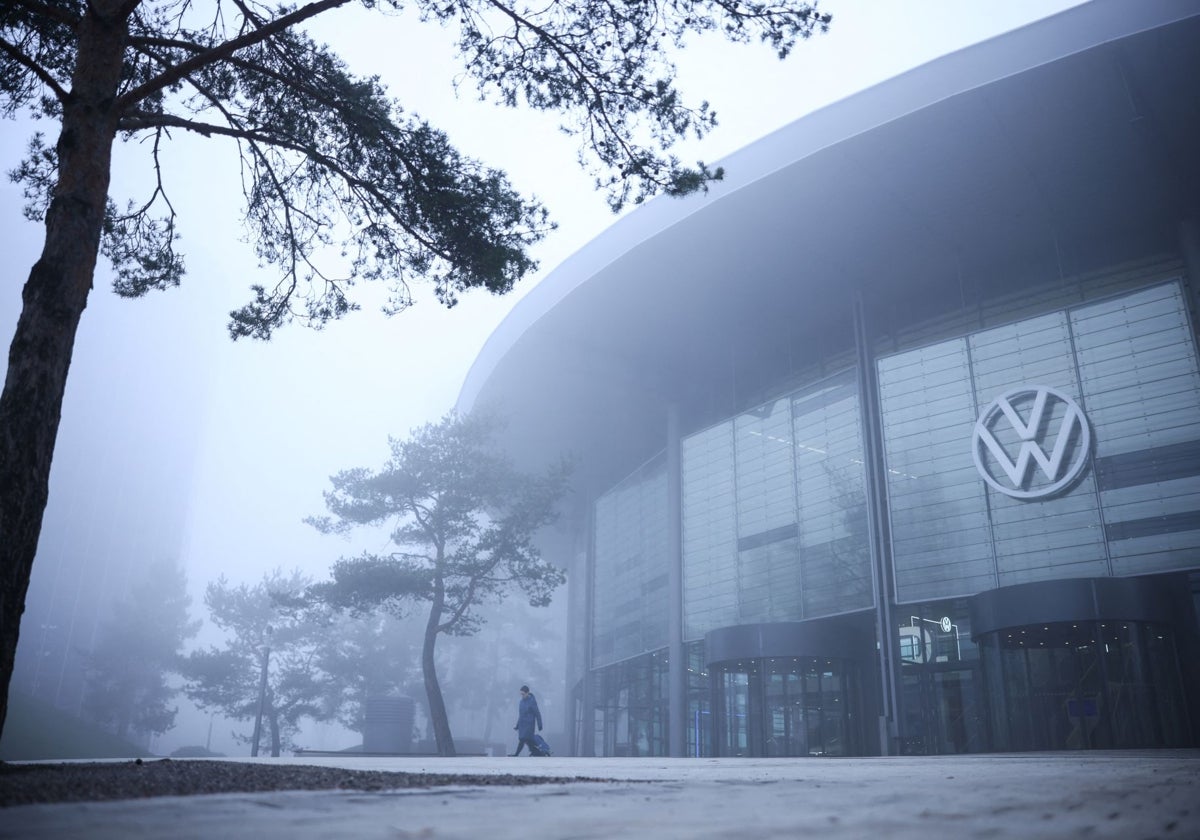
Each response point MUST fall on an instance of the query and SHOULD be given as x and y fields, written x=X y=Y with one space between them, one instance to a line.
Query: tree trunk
x=53 y=301
x=433 y=689
x=276 y=747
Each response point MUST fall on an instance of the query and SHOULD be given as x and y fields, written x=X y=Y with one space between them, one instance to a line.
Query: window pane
x=941 y=543
x=709 y=531
x=631 y=566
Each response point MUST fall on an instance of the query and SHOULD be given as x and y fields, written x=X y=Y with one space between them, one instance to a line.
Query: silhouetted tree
x=326 y=157
x=462 y=520
x=126 y=682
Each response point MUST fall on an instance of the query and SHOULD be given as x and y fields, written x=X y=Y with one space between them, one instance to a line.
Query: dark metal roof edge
x=1084 y=27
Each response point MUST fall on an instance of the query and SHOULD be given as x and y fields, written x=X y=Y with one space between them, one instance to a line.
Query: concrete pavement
x=1119 y=795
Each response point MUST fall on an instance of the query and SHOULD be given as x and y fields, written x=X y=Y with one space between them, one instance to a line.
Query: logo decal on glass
x=1028 y=426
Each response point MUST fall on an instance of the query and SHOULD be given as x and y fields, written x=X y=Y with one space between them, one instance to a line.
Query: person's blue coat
x=527 y=716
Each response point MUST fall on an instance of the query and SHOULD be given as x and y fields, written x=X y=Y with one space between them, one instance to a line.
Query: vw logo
x=1028 y=426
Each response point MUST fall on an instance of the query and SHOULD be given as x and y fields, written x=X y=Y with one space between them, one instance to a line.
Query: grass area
x=36 y=730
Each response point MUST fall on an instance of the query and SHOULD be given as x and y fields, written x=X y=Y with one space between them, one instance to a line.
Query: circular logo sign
x=1027 y=427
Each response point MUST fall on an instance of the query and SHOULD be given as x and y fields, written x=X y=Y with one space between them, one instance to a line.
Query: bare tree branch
x=25 y=61
x=223 y=51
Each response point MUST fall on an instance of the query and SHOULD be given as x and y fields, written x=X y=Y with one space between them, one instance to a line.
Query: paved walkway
x=1119 y=795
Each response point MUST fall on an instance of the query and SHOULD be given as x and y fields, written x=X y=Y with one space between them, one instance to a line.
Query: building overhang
x=1078 y=600
x=1065 y=145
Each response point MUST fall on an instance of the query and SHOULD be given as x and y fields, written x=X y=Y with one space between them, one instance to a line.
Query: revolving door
x=785 y=706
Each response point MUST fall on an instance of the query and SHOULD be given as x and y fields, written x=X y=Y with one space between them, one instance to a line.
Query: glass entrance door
x=1085 y=685
x=787 y=706
x=735 y=734
x=941 y=711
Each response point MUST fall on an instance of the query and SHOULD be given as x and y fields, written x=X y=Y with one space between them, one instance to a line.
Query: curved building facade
x=891 y=442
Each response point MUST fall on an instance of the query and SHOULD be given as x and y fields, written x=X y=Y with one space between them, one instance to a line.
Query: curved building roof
x=1072 y=140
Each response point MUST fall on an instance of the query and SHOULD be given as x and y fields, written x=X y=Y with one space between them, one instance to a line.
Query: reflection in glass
x=831 y=500
x=1085 y=685
x=939 y=522
x=630 y=584
x=1130 y=364
x=775 y=512
x=786 y=706
x=699 y=712
x=631 y=707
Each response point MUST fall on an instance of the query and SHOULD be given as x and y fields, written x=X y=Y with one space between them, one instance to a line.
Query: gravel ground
x=24 y=784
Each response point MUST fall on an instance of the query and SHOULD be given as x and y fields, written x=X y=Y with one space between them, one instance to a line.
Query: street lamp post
x=262 y=692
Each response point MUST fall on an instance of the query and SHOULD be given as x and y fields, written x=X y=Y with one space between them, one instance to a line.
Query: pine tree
x=462 y=521
x=265 y=636
x=127 y=685
x=328 y=159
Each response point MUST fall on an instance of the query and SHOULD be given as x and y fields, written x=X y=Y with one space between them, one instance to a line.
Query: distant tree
x=462 y=520
x=368 y=655
x=264 y=630
x=327 y=159
x=127 y=689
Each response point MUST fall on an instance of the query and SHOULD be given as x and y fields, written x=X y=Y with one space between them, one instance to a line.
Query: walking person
x=527 y=715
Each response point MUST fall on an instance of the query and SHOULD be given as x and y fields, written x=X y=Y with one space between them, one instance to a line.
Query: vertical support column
x=676 y=659
x=588 y=724
x=885 y=635
x=1189 y=248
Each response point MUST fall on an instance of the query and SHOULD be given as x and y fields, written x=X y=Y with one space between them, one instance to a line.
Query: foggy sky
x=176 y=440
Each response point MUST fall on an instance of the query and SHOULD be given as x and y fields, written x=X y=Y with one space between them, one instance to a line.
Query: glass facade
x=710 y=544
x=699 y=724
x=1062 y=444
x=1084 y=685
x=774 y=512
x=786 y=707
x=630 y=713
x=630 y=575
x=941 y=696
x=1138 y=369
x=1129 y=364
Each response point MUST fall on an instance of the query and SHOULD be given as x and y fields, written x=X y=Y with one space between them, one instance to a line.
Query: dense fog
x=186 y=461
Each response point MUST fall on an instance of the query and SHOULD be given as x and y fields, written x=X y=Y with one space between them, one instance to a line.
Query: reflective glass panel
x=630 y=584
x=1138 y=368
x=710 y=569
x=834 y=544
x=941 y=541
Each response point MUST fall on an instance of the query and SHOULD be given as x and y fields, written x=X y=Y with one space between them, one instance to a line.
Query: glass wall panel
x=1134 y=508
x=831 y=512
x=769 y=583
x=774 y=512
x=630 y=584
x=766 y=490
x=1137 y=362
x=1061 y=536
x=631 y=707
x=941 y=542
x=710 y=573
x=768 y=566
